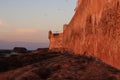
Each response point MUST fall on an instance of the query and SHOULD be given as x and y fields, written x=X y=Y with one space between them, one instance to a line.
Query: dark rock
x=20 y=50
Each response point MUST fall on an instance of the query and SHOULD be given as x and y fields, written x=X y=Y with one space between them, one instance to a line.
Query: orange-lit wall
x=95 y=29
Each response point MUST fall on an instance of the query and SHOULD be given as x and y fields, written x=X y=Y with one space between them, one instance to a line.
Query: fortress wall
x=95 y=29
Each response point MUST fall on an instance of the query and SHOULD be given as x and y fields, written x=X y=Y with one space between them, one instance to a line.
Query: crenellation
x=56 y=41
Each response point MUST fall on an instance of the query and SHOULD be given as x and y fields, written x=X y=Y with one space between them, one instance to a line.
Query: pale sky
x=30 y=20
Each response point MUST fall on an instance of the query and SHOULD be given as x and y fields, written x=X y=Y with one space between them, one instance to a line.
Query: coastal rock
x=20 y=50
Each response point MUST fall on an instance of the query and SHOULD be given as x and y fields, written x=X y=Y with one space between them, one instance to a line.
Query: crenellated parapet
x=56 y=41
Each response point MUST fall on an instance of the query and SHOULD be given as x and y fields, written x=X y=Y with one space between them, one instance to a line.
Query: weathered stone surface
x=95 y=29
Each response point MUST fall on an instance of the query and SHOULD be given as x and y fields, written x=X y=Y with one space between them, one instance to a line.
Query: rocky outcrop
x=20 y=50
x=95 y=29
x=58 y=66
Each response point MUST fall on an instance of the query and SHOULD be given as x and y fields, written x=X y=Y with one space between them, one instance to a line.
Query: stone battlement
x=56 y=41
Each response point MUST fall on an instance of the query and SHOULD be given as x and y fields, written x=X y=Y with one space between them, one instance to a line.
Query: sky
x=30 y=20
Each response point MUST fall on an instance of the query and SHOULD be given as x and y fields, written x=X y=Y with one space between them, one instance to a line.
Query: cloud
x=29 y=34
x=2 y=23
x=26 y=31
